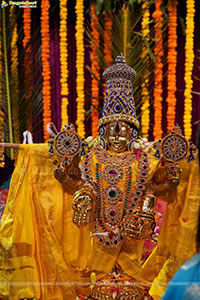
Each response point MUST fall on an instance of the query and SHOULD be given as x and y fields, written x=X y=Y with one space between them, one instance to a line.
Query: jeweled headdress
x=119 y=103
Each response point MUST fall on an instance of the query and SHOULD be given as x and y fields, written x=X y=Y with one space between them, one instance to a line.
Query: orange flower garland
x=27 y=56
x=80 y=67
x=2 y=163
x=46 y=88
x=157 y=15
x=145 y=112
x=14 y=71
x=172 y=55
x=94 y=69
x=189 y=60
x=108 y=39
x=63 y=62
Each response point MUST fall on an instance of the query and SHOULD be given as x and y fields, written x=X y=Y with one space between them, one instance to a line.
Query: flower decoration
x=158 y=73
x=172 y=55
x=80 y=67
x=46 y=87
x=95 y=71
x=27 y=53
x=63 y=62
x=108 y=39
x=14 y=71
x=145 y=112
x=2 y=163
x=189 y=60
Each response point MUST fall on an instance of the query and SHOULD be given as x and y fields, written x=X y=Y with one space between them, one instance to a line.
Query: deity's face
x=118 y=134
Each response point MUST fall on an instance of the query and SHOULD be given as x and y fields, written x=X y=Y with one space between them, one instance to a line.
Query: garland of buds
x=189 y=60
x=80 y=67
x=145 y=112
x=172 y=55
x=95 y=71
x=63 y=62
x=46 y=87
x=158 y=50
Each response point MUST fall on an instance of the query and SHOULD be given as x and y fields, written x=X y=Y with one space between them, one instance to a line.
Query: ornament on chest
x=121 y=201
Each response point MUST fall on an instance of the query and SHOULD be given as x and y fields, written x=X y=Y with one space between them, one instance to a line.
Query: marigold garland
x=46 y=87
x=189 y=60
x=125 y=30
x=63 y=62
x=108 y=39
x=158 y=50
x=172 y=55
x=27 y=50
x=2 y=163
x=14 y=71
x=94 y=69
x=79 y=8
x=145 y=112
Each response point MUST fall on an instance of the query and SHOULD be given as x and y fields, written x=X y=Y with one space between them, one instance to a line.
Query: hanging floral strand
x=189 y=60
x=63 y=62
x=80 y=67
x=14 y=71
x=94 y=69
x=108 y=39
x=27 y=55
x=46 y=87
x=172 y=55
x=2 y=162
x=145 y=112
x=158 y=50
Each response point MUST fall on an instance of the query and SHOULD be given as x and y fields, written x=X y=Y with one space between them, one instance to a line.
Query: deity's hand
x=60 y=173
x=69 y=175
x=82 y=206
x=165 y=180
x=140 y=224
x=174 y=176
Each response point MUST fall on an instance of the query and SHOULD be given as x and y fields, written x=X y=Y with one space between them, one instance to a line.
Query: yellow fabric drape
x=39 y=244
x=44 y=255
x=177 y=240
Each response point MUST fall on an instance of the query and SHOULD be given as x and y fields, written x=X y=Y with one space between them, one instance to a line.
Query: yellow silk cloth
x=44 y=255
x=177 y=240
x=39 y=244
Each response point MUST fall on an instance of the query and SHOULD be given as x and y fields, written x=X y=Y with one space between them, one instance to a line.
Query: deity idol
x=82 y=235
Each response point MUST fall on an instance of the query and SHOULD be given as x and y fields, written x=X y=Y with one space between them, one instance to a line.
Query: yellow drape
x=177 y=240
x=44 y=255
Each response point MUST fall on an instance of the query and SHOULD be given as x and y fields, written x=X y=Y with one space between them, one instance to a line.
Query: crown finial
x=119 y=70
x=120 y=59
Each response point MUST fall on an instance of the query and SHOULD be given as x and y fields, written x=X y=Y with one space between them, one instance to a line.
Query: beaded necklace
x=112 y=168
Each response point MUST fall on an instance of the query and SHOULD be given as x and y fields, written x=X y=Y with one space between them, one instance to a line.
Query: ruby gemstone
x=112 y=172
x=112 y=213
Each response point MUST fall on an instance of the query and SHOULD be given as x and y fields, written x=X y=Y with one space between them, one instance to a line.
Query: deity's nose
x=117 y=138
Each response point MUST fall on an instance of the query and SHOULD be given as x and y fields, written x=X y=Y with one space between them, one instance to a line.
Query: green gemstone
x=112 y=194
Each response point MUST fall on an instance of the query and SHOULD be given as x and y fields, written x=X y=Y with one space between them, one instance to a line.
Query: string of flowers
x=46 y=88
x=14 y=71
x=27 y=56
x=95 y=72
x=145 y=112
x=125 y=29
x=171 y=76
x=63 y=62
x=108 y=39
x=189 y=60
x=2 y=163
x=158 y=52
x=79 y=8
